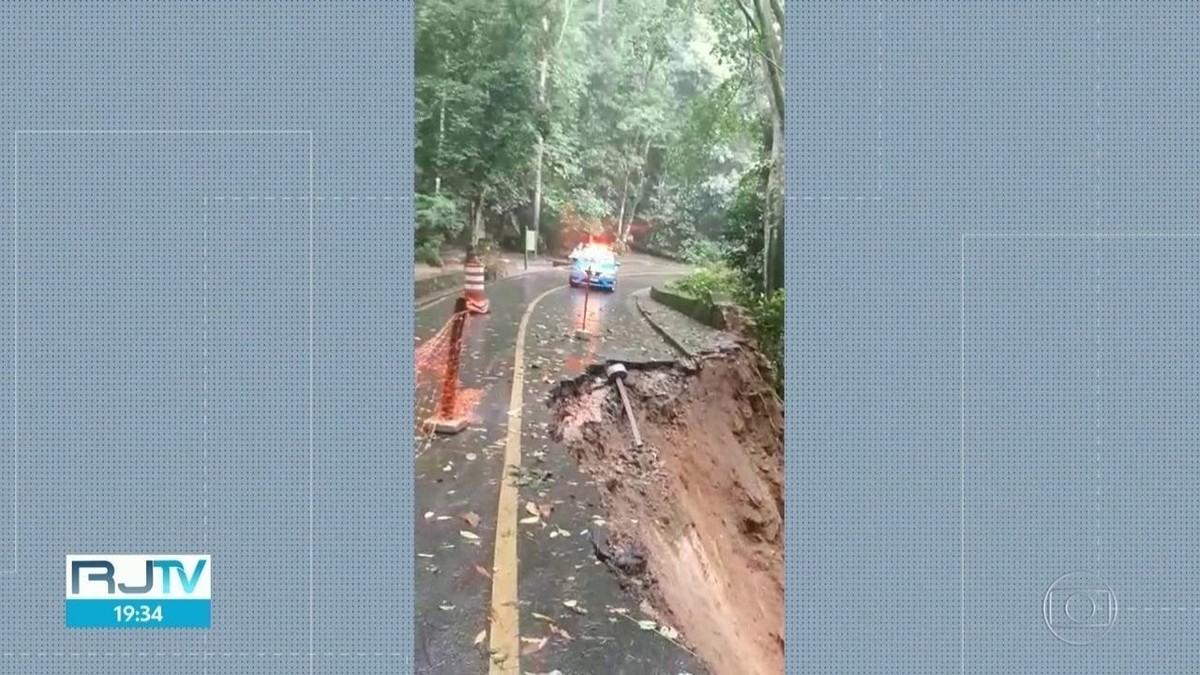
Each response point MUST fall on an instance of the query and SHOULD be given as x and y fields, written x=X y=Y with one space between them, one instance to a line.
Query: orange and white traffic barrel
x=477 y=302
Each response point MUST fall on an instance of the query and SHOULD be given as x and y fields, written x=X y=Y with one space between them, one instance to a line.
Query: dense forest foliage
x=657 y=121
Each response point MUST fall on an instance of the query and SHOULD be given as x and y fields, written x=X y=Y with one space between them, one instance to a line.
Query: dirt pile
x=695 y=517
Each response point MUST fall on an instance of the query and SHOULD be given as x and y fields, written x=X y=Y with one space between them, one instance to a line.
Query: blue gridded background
x=115 y=234
x=975 y=413
x=910 y=125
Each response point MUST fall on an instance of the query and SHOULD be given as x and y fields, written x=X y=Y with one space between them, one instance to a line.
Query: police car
x=594 y=265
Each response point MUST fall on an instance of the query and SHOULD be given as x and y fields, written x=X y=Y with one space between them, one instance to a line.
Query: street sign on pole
x=530 y=245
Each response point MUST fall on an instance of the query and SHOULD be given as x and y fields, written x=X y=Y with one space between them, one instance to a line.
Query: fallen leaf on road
x=531 y=520
x=533 y=645
x=531 y=508
x=482 y=571
x=668 y=632
x=470 y=456
x=468 y=535
x=424 y=555
x=479 y=638
x=471 y=519
x=545 y=510
x=647 y=625
x=570 y=603
x=445 y=606
x=560 y=633
x=428 y=515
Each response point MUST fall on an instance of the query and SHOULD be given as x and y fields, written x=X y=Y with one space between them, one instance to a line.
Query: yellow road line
x=505 y=626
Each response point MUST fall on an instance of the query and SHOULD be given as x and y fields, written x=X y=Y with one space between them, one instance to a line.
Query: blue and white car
x=601 y=262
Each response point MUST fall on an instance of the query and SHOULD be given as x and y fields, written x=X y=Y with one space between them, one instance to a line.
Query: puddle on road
x=587 y=310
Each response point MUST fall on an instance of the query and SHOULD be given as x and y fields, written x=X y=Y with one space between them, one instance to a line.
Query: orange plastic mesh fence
x=430 y=364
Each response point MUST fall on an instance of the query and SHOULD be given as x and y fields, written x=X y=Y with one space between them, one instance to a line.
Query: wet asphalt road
x=458 y=478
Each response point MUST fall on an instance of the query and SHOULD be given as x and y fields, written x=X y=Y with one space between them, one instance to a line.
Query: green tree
x=612 y=111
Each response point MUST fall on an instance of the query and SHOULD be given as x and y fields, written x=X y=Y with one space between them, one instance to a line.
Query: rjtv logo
x=139 y=591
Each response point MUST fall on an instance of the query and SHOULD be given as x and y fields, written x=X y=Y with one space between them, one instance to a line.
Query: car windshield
x=593 y=253
x=597 y=260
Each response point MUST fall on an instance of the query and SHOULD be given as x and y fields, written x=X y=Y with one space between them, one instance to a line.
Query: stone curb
x=658 y=328
x=438 y=286
x=709 y=315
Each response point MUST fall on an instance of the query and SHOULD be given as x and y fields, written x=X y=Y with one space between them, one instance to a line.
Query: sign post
x=530 y=245
x=582 y=333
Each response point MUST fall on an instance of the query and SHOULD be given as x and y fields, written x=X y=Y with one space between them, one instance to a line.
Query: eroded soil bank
x=695 y=516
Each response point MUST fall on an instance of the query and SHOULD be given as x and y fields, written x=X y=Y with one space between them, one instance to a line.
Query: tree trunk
x=772 y=211
x=537 y=190
x=438 y=161
x=621 y=211
x=540 y=150
x=778 y=279
x=437 y=180
x=774 y=56
x=763 y=21
x=637 y=196
x=777 y=9
x=477 y=231
x=773 y=43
